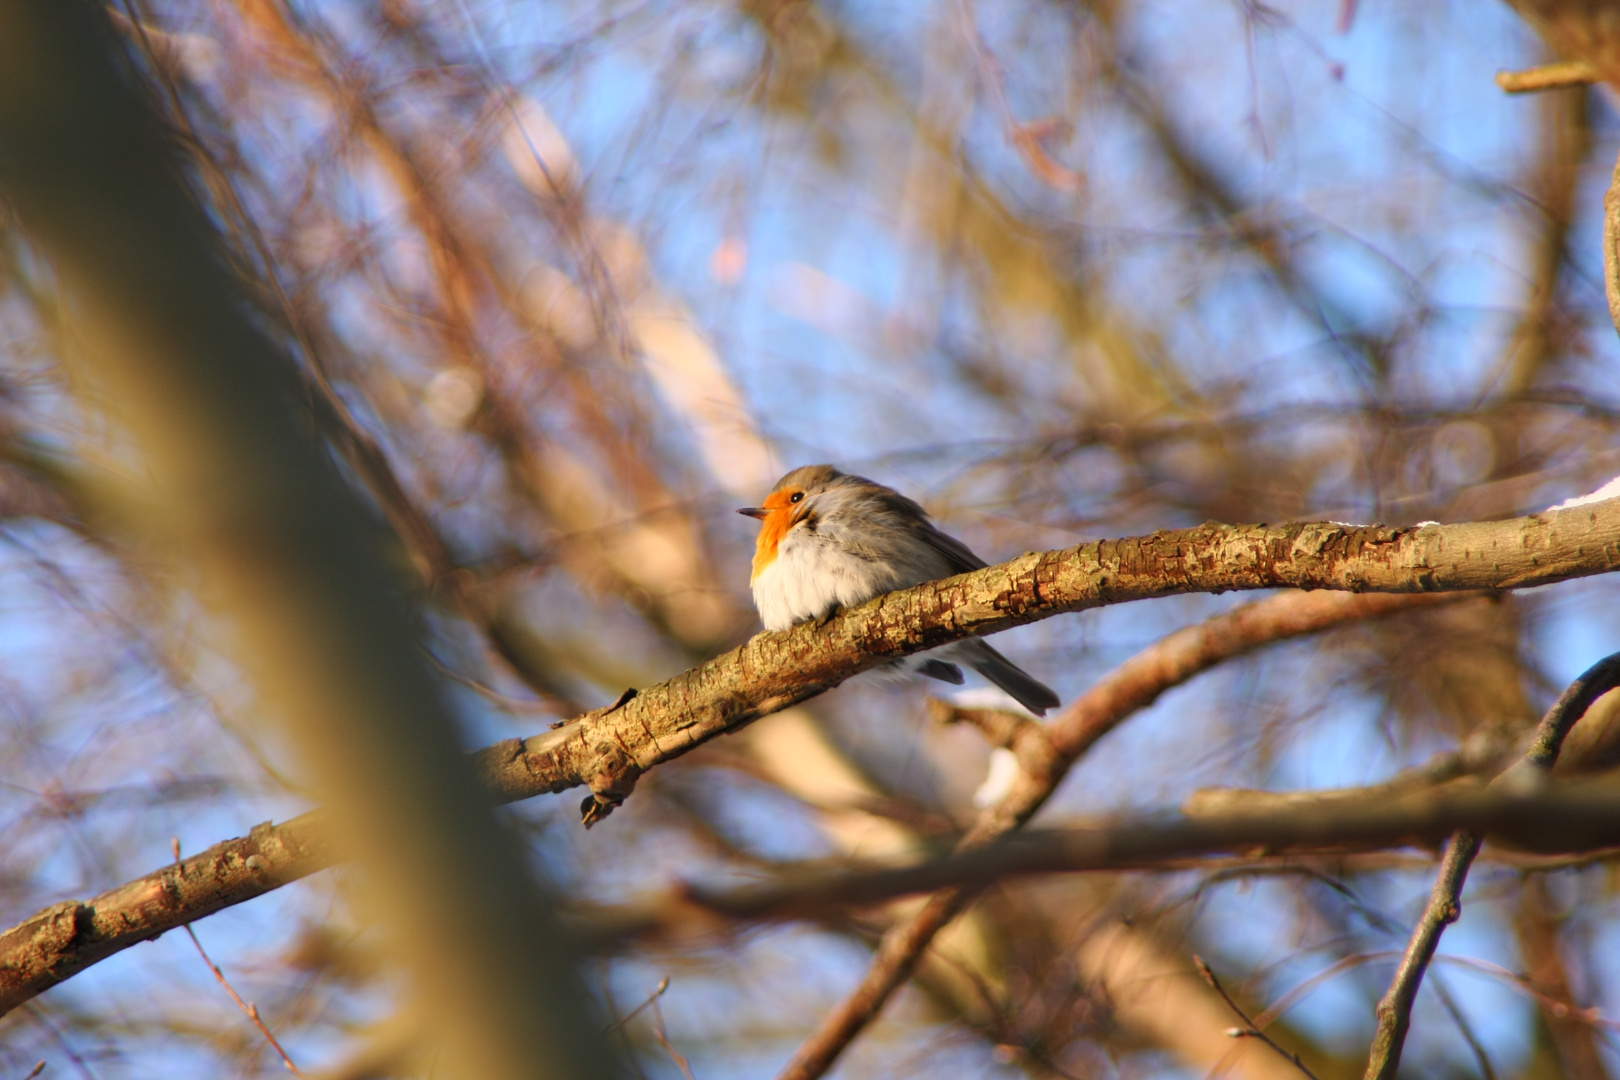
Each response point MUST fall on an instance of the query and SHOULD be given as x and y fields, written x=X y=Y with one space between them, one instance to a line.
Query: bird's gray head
x=824 y=488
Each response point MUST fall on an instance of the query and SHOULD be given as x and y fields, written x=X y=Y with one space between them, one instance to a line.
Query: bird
x=829 y=540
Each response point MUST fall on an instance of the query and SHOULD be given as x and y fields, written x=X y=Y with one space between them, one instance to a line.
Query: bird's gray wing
x=956 y=553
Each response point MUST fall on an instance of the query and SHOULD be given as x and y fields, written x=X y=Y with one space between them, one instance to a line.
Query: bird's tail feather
x=1025 y=689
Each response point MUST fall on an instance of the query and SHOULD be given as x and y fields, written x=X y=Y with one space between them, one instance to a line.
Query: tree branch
x=64 y=939
x=609 y=748
x=1445 y=899
x=1443 y=909
x=1566 y=816
x=1556 y=76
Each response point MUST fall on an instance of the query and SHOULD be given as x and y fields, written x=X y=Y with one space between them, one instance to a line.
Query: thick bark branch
x=66 y=938
x=609 y=748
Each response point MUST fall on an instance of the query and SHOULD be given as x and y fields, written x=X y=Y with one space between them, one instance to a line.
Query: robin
x=828 y=540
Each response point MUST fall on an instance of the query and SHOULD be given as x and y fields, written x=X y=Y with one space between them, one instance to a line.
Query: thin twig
x=1477 y=1048
x=1444 y=908
x=1445 y=899
x=1025 y=138
x=633 y=1013
x=1384 y=923
x=250 y=1010
x=663 y=1038
x=504 y=702
x=36 y=1070
x=39 y=1016
x=1589 y=1015
x=631 y=1057
x=1249 y=1030
x=1558 y=76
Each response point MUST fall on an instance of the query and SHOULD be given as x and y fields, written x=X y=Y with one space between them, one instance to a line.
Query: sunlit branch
x=1557 y=76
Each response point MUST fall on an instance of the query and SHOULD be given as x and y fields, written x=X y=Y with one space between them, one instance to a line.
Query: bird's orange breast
x=773 y=528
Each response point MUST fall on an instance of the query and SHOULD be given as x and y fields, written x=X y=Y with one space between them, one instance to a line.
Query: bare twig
x=1556 y=76
x=40 y=1017
x=35 y=1071
x=635 y=1012
x=1560 y=1006
x=1566 y=816
x=1045 y=755
x=1025 y=138
x=1464 y=1028
x=663 y=1038
x=504 y=702
x=1249 y=1030
x=1445 y=899
x=1546 y=954
x=250 y=1010
x=1444 y=907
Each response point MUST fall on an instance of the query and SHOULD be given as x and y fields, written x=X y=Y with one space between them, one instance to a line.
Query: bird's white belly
x=809 y=577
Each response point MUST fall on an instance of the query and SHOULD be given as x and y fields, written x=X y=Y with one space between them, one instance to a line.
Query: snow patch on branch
x=999 y=780
x=1611 y=490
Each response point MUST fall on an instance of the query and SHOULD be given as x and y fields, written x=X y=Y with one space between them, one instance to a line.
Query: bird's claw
x=828 y=616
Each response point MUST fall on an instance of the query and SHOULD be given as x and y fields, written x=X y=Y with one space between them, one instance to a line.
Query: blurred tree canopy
x=564 y=284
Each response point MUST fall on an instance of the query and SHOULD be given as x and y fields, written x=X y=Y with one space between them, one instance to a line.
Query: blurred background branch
x=555 y=288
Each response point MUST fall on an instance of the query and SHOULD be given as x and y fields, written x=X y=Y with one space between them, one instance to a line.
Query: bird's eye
x=797 y=495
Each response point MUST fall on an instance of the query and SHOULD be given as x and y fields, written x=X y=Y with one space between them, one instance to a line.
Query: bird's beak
x=755 y=512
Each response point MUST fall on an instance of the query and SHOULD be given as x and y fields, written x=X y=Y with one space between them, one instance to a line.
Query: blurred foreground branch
x=1611 y=245
x=281 y=547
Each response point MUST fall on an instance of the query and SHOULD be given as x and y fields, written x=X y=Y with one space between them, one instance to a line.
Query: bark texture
x=66 y=938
